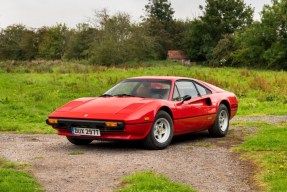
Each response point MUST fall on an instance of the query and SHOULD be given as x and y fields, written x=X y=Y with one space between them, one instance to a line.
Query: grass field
x=151 y=182
x=13 y=178
x=29 y=91
x=268 y=149
x=28 y=96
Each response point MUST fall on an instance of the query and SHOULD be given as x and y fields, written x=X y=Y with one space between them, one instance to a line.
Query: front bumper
x=70 y=123
x=121 y=132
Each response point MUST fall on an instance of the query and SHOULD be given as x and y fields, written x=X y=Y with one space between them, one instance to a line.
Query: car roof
x=174 y=78
x=161 y=77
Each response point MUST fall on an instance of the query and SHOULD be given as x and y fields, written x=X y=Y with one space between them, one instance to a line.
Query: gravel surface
x=267 y=119
x=99 y=166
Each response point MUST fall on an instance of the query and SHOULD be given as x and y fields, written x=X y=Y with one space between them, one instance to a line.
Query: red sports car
x=152 y=109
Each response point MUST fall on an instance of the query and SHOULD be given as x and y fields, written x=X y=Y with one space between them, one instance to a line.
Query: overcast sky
x=38 y=13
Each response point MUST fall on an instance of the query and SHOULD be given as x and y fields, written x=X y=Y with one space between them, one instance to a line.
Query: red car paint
x=137 y=114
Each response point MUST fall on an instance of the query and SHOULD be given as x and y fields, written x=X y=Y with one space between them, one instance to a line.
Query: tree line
x=225 y=35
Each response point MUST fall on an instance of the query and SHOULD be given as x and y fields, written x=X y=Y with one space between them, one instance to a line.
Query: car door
x=196 y=113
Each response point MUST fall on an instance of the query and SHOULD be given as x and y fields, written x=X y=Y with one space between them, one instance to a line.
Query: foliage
x=196 y=40
x=249 y=46
x=159 y=10
x=80 y=42
x=226 y=16
x=219 y=18
x=125 y=40
x=224 y=35
x=160 y=24
x=149 y=181
x=17 y=43
x=263 y=44
x=53 y=42
x=274 y=21
x=222 y=53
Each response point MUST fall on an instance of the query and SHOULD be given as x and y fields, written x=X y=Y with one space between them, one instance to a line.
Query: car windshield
x=146 y=88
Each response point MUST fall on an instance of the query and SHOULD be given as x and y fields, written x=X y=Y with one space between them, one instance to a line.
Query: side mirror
x=186 y=98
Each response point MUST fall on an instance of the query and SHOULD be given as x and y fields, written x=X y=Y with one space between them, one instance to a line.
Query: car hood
x=101 y=107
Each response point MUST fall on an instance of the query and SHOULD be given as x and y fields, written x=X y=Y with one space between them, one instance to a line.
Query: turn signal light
x=53 y=121
x=111 y=124
x=146 y=118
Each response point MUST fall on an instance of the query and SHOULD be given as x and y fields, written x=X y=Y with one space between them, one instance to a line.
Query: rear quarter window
x=202 y=90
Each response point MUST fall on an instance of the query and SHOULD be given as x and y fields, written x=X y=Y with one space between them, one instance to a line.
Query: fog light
x=111 y=124
x=53 y=121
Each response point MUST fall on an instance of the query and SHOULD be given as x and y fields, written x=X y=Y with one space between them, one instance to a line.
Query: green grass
x=28 y=95
x=29 y=91
x=268 y=148
x=13 y=178
x=150 y=182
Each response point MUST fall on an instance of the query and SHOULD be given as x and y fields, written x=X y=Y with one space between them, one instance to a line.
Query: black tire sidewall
x=215 y=130
x=150 y=141
x=77 y=141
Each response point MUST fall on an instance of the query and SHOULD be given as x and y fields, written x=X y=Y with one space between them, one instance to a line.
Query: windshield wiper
x=106 y=95
x=124 y=95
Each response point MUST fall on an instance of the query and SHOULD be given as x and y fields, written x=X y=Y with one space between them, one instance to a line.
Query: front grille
x=69 y=123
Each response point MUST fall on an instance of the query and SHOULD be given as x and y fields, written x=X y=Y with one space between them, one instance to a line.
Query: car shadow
x=138 y=145
x=116 y=145
x=190 y=138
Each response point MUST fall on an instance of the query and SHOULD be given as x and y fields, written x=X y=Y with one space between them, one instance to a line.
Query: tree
x=220 y=17
x=119 y=40
x=80 y=41
x=222 y=53
x=52 y=42
x=249 y=47
x=160 y=24
x=274 y=23
x=226 y=16
x=159 y=10
x=17 y=43
x=196 y=40
x=264 y=44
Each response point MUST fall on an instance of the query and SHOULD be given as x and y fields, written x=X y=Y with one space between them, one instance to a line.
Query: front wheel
x=161 y=132
x=77 y=141
x=221 y=124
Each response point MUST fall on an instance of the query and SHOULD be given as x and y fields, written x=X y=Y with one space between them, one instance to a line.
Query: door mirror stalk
x=186 y=98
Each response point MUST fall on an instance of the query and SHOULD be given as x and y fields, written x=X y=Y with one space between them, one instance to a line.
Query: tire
x=221 y=124
x=161 y=133
x=76 y=141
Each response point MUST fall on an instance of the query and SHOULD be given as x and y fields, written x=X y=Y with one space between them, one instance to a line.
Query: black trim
x=196 y=116
x=194 y=82
x=94 y=124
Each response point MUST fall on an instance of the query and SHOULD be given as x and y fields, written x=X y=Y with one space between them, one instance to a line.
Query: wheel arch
x=166 y=109
x=226 y=103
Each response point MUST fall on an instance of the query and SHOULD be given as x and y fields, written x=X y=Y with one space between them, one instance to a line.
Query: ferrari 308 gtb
x=152 y=109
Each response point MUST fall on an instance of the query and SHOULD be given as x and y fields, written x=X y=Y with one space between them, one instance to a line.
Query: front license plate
x=86 y=131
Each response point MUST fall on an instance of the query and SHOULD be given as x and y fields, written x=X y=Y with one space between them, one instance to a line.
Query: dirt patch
x=206 y=163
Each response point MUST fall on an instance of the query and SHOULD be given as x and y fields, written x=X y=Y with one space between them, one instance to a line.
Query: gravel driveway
x=196 y=159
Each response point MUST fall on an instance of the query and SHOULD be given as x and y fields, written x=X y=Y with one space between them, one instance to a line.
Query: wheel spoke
x=223 y=120
x=161 y=130
x=156 y=133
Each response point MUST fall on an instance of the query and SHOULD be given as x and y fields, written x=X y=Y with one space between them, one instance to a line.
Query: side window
x=202 y=90
x=176 y=96
x=186 y=88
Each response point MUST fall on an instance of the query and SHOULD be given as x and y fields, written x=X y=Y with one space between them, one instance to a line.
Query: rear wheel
x=161 y=132
x=221 y=124
x=77 y=141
